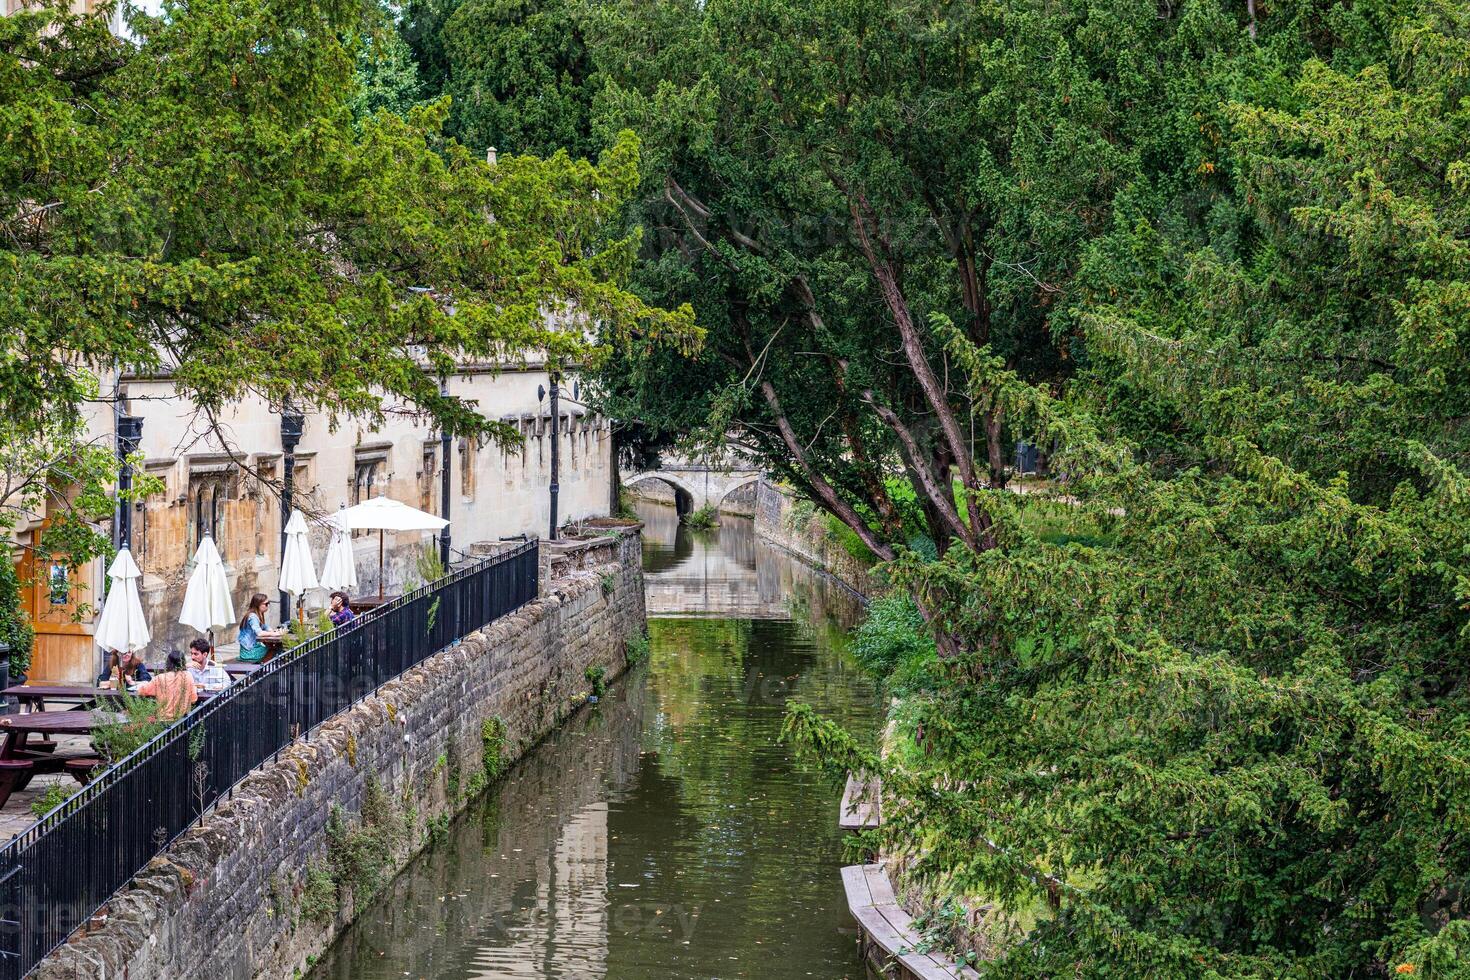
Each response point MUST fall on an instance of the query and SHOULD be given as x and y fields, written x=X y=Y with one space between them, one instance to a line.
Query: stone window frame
x=369 y=472
x=469 y=447
x=211 y=482
x=428 y=469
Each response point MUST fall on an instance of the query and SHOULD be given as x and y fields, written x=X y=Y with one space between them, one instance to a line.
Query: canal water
x=666 y=832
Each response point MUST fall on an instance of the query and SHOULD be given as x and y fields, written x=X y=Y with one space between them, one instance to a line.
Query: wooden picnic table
x=18 y=763
x=240 y=668
x=38 y=694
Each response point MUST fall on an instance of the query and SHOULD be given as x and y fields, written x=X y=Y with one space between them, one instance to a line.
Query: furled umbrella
x=298 y=571
x=207 y=602
x=384 y=514
x=339 y=571
x=121 y=626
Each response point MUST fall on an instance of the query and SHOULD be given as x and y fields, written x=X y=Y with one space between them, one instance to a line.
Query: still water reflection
x=666 y=832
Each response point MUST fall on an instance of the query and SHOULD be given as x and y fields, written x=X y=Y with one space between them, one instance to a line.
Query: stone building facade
x=226 y=481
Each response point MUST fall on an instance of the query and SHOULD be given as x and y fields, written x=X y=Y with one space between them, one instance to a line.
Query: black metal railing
x=59 y=872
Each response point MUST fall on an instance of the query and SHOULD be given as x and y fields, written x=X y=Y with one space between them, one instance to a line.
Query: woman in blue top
x=252 y=651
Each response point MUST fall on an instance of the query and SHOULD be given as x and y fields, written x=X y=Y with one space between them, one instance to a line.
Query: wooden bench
x=888 y=934
x=81 y=769
x=862 y=806
x=14 y=774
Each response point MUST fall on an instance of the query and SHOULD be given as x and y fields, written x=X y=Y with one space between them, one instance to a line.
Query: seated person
x=173 y=688
x=207 y=676
x=341 y=612
x=253 y=631
x=134 y=670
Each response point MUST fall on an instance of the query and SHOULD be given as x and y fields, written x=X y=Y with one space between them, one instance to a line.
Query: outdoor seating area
x=193 y=762
x=49 y=737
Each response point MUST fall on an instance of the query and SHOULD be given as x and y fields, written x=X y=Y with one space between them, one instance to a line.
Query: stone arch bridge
x=696 y=484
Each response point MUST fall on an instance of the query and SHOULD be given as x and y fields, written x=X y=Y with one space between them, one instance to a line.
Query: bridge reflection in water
x=729 y=572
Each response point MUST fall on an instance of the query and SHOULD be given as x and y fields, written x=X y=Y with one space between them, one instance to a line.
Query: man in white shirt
x=207 y=676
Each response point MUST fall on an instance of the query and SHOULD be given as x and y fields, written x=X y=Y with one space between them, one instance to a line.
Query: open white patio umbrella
x=207 y=602
x=382 y=514
x=121 y=625
x=298 y=571
x=339 y=571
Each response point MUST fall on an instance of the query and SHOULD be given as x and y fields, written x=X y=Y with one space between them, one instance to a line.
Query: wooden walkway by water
x=862 y=806
x=888 y=934
x=889 y=940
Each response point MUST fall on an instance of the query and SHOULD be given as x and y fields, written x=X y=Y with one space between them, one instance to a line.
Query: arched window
x=207 y=495
x=203 y=513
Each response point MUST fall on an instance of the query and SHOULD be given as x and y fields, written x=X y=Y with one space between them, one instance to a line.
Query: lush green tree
x=422 y=25
x=220 y=201
x=203 y=202
x=386 y=76
x=520 y=76
x=828 y=182
x=1229 y=738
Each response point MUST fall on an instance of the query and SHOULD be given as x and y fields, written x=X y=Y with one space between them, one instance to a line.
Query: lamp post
x=129 y=435
x=446 y=448
x=292 y=424
x=555 y=444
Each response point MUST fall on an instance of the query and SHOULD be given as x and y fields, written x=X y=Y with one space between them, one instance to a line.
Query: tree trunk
x=934 y=393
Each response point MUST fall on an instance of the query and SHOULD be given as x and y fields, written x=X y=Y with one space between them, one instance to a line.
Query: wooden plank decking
x=888 y=932
x=862 y=806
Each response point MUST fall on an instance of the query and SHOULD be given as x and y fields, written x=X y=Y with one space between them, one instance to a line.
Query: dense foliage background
x=1197 y=707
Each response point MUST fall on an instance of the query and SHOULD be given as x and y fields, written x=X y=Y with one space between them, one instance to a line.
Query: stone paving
x=16 y=815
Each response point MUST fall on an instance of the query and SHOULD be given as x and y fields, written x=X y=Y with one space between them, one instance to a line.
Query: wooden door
x=63 y=652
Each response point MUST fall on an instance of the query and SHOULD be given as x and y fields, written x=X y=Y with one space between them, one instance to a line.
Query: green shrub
x=51 y=798
x=492 y=738
x=15 y=628
x=637 y=647
x=319 y=896
x=596 y=675
x=849 y=540
x=703 y=519
x=358 y=857
x=138 y=724
x=894 y=644
x=625 y=505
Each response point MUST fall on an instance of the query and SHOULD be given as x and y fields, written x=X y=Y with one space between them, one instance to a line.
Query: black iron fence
x=55 y=875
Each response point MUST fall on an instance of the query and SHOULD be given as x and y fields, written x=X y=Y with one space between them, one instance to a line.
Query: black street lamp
x=292 y=425
x=129 y=435
x=446 y=447
x=555 y=443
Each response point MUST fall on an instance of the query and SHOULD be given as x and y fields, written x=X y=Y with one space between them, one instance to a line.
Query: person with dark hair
x=131 y=666
x=341 y=612
x=208 y=675
x=252 y=629
x=173 y=688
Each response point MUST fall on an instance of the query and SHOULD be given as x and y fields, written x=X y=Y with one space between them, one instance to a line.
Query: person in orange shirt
x=173 y=688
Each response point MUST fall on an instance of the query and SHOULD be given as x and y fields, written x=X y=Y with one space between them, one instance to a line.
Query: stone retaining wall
x=266 y=882
x=779 y=520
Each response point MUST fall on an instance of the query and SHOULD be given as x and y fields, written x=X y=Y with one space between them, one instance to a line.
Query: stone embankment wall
x=781 y=519
x=266 y=882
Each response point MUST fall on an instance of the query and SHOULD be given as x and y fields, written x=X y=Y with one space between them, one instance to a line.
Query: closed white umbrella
x=298 y=571
x=339 y=571
x=383 y=514
x=207 y=602
x=121 y=626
